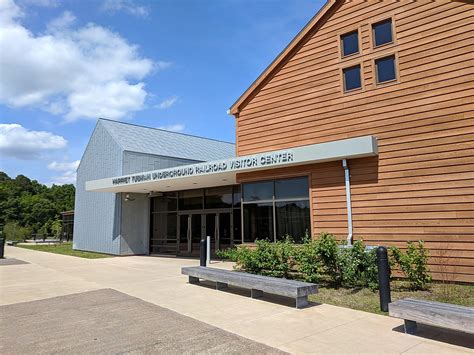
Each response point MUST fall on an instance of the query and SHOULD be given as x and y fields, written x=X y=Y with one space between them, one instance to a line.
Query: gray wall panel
x=135 y=225
x=95 y=221
x=135 y=214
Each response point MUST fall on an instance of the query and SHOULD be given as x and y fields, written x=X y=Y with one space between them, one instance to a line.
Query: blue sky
x=173 y=64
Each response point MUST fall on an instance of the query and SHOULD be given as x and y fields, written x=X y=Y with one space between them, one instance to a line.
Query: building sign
x=186 y=175
x=234 y=164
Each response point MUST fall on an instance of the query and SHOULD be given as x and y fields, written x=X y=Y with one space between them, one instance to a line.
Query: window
x=385 y=69
x=382 y=32
x=283 y=204
x=291 y=188
x=350 y=43
x=190 y=200
x=258 y=191
x=218 y=197
x=351 y=77
x=258 y=221
x=292 y=218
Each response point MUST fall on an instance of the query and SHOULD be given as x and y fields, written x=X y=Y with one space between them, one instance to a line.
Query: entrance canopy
x=223 y=172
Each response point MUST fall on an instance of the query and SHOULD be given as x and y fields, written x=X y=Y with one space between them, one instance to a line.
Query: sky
x=177 y=65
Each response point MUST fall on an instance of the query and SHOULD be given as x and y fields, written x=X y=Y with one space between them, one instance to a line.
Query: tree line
x=28 y=207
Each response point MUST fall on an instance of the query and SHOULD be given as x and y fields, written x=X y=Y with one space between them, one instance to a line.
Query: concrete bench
x=438 y=314
x=256 y=283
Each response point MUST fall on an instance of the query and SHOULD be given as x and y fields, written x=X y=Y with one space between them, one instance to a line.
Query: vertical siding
x=95 y=221
x=422 y=184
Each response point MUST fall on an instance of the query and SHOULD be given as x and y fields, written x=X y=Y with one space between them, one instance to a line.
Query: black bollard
x=202 y=253
x=384 y=278
x=2 y=248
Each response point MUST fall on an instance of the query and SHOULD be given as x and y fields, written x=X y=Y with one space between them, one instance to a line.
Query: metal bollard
x=2 y=248
x=202 y=253
x=384 y=278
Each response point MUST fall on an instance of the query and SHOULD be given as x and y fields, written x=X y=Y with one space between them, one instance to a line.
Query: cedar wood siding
x=421 y=186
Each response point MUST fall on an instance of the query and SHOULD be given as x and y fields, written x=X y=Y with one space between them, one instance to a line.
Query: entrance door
x=218 y=227
x=190 y=234
x=193 y=227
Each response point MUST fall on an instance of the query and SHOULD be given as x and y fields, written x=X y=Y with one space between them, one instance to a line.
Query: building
x=363 y=127
x=119 y=223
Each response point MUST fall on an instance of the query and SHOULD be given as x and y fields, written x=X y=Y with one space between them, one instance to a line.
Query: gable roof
x=274 y=66
x=148 y=140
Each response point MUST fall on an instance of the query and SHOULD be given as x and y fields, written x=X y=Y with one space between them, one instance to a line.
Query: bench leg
x=256 y=293
x=193 y=280
x=301 y=301
x=410 y=327
x=221 y=285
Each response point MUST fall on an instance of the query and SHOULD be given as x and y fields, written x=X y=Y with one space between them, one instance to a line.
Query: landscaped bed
x=65 y=249
x=367 y=300
x=347 y=276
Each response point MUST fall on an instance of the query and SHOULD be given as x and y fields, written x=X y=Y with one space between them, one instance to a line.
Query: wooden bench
x=438 y=314
x=256 y=283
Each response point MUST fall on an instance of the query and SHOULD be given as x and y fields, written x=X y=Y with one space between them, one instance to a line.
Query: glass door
x=190 y=234
x=225 y=231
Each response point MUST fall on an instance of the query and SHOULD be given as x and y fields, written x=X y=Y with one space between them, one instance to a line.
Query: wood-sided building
x=402 y=71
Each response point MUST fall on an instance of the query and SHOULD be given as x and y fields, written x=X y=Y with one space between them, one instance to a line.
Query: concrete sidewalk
x=317 y=329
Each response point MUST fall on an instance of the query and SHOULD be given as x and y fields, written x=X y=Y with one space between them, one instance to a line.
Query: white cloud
x=63 y=22
x=167 y=103
x=128 y=6
x=86 y=72
x=68 y=177
x=41 y=3
x=21 y=143
x=178 y=127
x=68 y=170
x=64 y=166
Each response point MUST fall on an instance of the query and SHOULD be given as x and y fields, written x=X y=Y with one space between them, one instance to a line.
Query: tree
x=33 y=205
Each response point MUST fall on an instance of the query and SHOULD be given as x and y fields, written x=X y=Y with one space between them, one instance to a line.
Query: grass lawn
x=65 y=249
x=367 y=300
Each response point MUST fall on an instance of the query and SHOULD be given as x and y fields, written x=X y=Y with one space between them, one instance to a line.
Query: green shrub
x=308 y=262
x=327 y=250
x=359 y=267
x=231 y=254
x=413 y=263
x=15 y=232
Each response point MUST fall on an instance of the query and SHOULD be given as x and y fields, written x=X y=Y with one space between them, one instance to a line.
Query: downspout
x=348 y=201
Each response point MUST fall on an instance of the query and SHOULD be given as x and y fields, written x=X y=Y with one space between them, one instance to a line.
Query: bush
x=413 y=264
x=12 y=231
x=308 y=262
x=359 y=267
x=326 y=260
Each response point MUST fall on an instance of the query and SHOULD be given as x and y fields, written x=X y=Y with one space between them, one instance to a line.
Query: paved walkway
x=110 y=322
x=317 y=329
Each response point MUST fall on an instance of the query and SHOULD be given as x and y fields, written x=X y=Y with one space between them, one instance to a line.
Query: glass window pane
x=237 y=227
x=190 y=200
x=257 y=191
x=352 y=78
x=218 y=197
x=292 y=219
x=167 y=202
x=164 y=233
x=350 y=43
x=291 y=188
x=385 y=69
x=237 y=195
x=382 y=32
x=258 y=221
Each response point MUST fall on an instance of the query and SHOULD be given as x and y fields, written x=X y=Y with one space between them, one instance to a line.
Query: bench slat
x=283 y=287
x=434 y=313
